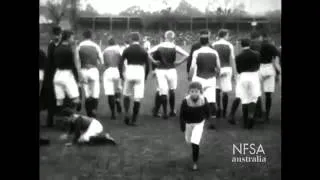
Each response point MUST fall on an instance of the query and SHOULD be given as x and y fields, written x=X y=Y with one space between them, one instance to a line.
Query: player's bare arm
x=193 y=66
x=182 y=52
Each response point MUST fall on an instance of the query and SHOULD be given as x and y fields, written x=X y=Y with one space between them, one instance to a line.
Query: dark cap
x=222 y=33
x=195 y=85
x=56 y=30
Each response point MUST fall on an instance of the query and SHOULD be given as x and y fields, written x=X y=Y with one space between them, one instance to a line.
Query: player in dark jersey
x=195 y=47
x=90 y=56
x=194 y=111
x=228 y=70
x=85 y=130
x=270 y=70
x=136 y=72
x=47 y=95
x=205 y=67
x=111 y=76
x=248 y=85
x=66 y=75
x=255 y=44
x=166 y=72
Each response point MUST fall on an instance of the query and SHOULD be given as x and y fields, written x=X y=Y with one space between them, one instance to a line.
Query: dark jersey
x=64 y=57
x=89 y=53
x=225 y=50
x=194 y=112
x=51 y=47
x=255 y=45
x=112 y=56
x=194 y=47
x=247 y=61
x=80 y=124
x=42 y=59
x=135 y=55
x=206 y=60
x=167 y=53
x=267 y=52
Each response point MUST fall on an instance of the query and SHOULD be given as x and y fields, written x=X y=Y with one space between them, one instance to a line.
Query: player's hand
x=81 y=78
x=278 y=78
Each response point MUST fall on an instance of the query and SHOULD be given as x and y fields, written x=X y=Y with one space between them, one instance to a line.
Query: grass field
x=156 y=150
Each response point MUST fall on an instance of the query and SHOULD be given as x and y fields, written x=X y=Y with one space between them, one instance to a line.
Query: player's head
x=204 y=37
x=264 y=36
x=111 y=41
x=87 y=34
x=255 y=36
x=223 y=33
x=245 y=42
x=67 y=36
x=135 y=37
x=169 y=36
x=195 y=90
x=68 y=114
x=56 y=32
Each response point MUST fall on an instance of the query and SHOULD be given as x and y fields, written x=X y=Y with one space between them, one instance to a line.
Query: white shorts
x=92 y=82
x=193 y=133
x=248 y=87
x=167 y=80
x=41 y=75
x=134 y=81
x=94 y=129
x=267 y=74
x=65 y=84
x=225 y=82
x=111 y=81
x=208 y=86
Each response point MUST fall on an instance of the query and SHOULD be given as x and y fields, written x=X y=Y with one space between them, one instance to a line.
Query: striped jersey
x=89 y=53
x=225 y=50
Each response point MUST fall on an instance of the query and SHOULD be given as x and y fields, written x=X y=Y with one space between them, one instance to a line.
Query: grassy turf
x=156 y=148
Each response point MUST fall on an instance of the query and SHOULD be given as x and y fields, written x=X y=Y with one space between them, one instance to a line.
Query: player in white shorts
x=166 y=71
x=65 y=84
x=134 y=76
x=194 y=111
x=111 y=76
x=42 y=61
x=90 y=56
x=248 y=85
x=205 y=65
x=224 y=82
x=270 y=70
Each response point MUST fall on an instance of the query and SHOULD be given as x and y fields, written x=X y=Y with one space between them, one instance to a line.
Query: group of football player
x=73 y=72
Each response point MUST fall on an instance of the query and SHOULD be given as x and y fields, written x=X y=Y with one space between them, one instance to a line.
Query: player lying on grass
x=193 y=113
x=85 y=130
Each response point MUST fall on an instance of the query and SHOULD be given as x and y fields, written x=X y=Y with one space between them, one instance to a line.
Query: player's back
x=112 y=56
x=135 y=55
x=88 y=53
x=267 y=52
x=255 y=45
x=206 y=61
x=167 y=54
x=64 y=57
x=248 y=61
x=224 y=49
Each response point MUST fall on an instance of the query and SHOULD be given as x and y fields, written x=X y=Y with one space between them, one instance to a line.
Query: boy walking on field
x=193 y=113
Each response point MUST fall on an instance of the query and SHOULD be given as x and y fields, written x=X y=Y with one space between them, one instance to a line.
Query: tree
x=186 y=9
x=57 y=9
x=132 y=11
x=89 y=11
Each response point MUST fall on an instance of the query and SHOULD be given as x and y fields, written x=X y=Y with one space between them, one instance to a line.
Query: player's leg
x=157 y=99
x=118 y=82
x=268 y=88
x=163 y=87
x=109 y=91
x=127 y=92
x=138 y=95
x=86 y=88
x=226 y=87
x=59 y=89
x=218 y=98
x=195 y=142
x=94 y=85
x=172 y=83
x=235 y=104
x=209 y=87
x=245 y=115
x=72 y=91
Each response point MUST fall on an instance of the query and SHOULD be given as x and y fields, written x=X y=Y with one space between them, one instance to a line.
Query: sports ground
x=156 y=149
